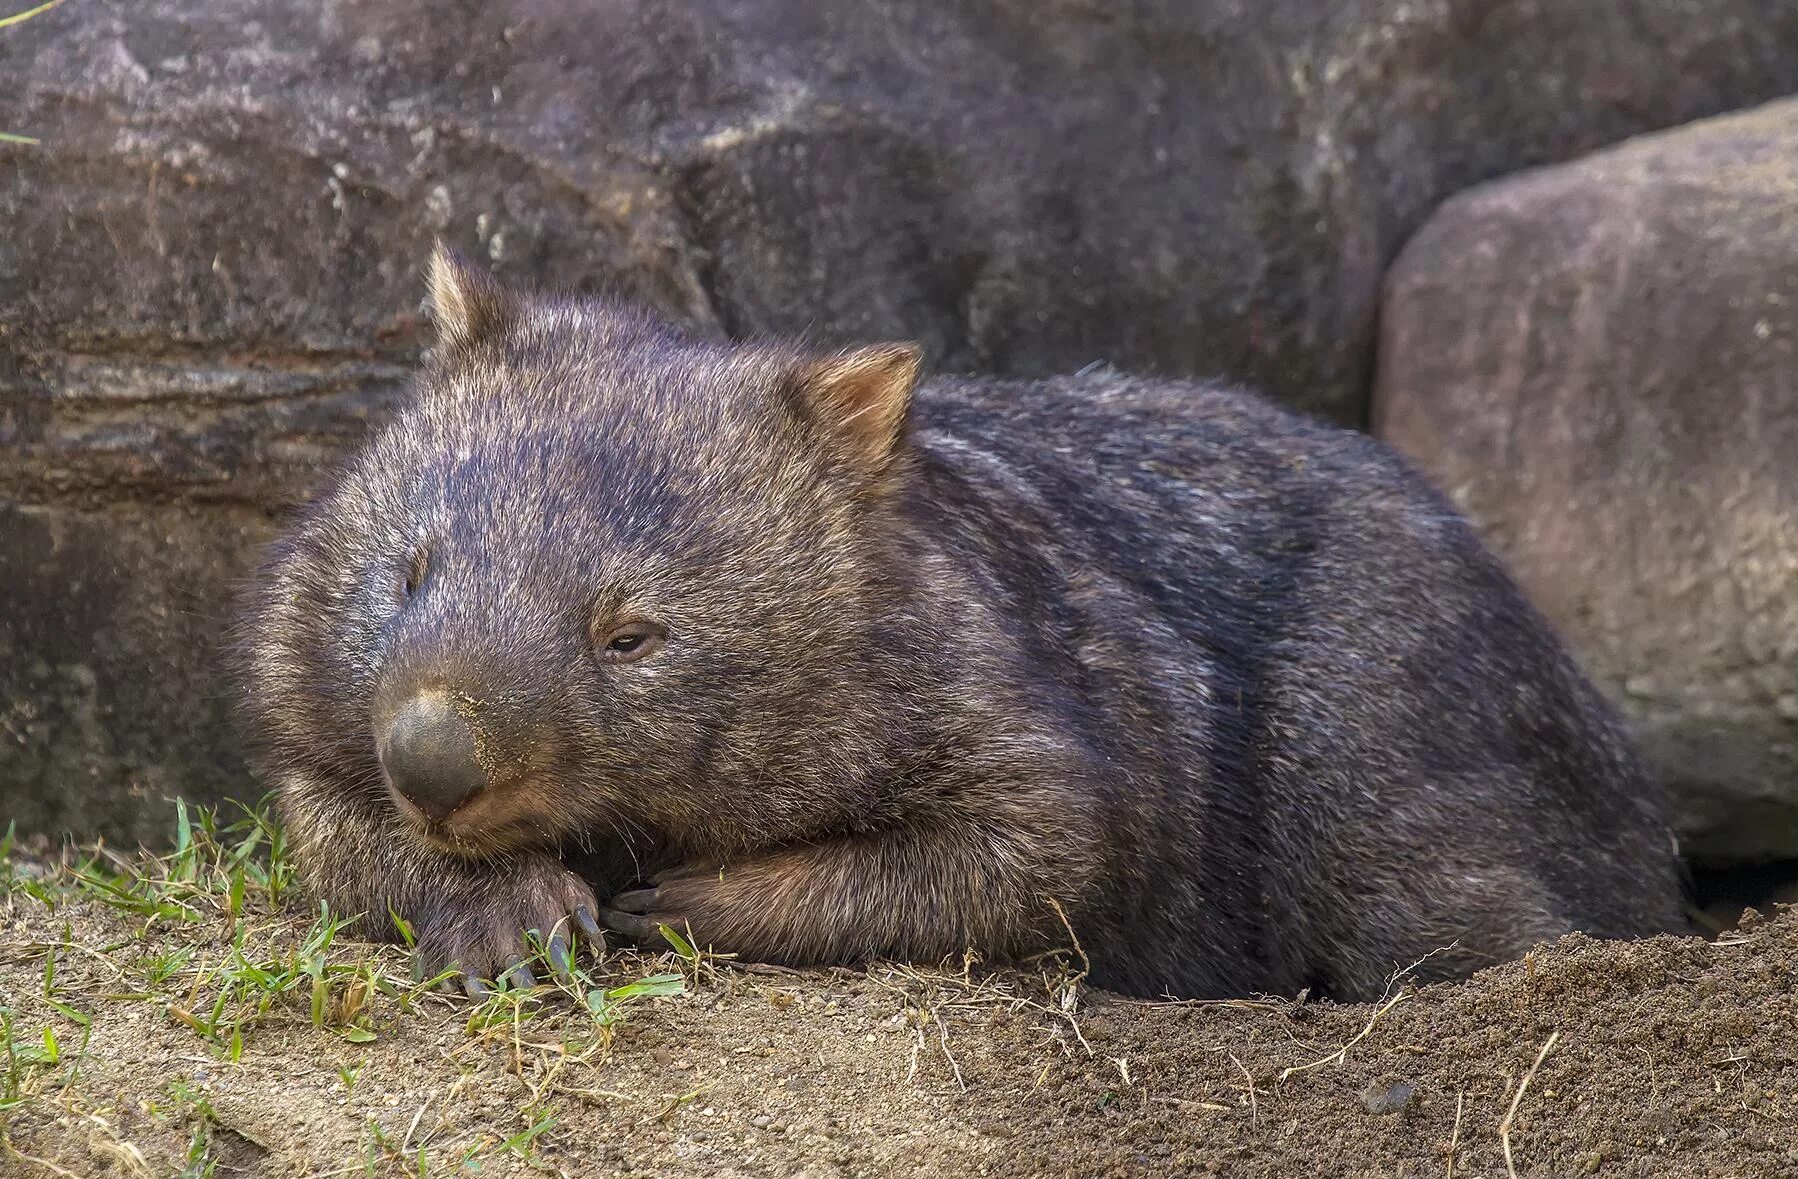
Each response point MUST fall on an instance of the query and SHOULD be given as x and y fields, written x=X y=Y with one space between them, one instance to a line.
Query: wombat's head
x=597 y=575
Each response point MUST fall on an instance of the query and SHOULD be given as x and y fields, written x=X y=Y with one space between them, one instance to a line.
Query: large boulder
x=1600 y=362
x=208 y=275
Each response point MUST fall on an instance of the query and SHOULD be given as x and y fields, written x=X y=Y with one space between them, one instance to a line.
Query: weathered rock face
x=208 y=276
x=1600 y=360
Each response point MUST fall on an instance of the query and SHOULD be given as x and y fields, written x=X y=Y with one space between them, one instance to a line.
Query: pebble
x=1389 y=1098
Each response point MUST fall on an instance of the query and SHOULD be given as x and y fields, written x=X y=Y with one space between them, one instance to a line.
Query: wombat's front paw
x=479 y=929
x=688 y=900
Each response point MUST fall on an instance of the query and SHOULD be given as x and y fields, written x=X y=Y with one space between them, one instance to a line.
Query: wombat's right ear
x=465 y=303
x=860 y=398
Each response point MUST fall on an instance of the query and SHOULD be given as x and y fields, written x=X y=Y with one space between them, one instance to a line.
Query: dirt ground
x=1670 y=1057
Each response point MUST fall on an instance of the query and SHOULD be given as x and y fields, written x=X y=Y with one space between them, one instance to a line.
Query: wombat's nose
x=429 y=755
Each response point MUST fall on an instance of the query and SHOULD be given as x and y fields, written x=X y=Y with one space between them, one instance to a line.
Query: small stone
x=761 y=1121
x=1389 y=1097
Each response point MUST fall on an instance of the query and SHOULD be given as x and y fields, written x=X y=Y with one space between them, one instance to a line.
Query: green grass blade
x=654 y=986
x=21 y=17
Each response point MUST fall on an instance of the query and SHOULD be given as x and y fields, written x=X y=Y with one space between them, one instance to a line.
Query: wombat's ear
x=860 y=397
x=466 y=304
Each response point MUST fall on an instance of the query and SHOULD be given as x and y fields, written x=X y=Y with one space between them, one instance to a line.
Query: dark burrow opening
x=1720 y=894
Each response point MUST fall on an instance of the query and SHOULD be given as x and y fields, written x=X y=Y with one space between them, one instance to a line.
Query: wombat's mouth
x=487 y=825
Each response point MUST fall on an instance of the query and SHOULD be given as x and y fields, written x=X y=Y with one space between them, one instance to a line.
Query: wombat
x=834 y=668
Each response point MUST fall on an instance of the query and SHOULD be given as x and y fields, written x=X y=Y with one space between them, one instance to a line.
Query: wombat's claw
x=634 y=914
x=641 y=901
x=561 y=961
x=583 y=920
x=629 y=924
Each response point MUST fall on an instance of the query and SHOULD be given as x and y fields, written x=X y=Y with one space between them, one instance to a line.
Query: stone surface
x=208 y=278
x=1600 y=362
x=1388 y=1096
x=112 y=699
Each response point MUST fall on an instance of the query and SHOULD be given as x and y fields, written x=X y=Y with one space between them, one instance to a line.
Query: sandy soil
x=1670 y=1057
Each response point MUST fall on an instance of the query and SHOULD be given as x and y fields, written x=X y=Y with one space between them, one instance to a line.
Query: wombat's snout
x=428 y=751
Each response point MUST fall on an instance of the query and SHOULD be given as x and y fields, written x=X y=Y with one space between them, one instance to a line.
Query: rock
x=1600 y=361
x=209 y=276
x=1389 y=1096
x=110 y=697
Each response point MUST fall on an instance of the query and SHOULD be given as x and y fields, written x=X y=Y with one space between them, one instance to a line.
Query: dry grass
x=1504 y=1127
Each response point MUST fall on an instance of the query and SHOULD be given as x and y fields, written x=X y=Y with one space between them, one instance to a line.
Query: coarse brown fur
x=1235 y=690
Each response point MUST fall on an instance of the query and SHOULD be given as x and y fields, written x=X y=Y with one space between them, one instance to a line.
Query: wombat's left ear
x=466 y=304
x=860 y=396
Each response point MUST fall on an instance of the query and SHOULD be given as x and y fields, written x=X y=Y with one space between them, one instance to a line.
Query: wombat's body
x=883 y=675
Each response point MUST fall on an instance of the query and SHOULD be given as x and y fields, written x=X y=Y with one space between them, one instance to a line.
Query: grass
x=19 y=18
x=222 y=945
x=6 y=22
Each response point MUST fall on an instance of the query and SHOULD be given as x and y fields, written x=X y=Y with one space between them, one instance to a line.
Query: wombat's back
x=1342 y=739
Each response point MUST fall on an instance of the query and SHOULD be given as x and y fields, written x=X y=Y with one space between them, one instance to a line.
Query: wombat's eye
x=630 y=641
x=416 y=571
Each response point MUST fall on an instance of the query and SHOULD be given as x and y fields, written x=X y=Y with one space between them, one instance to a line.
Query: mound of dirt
x=1669 y=1057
